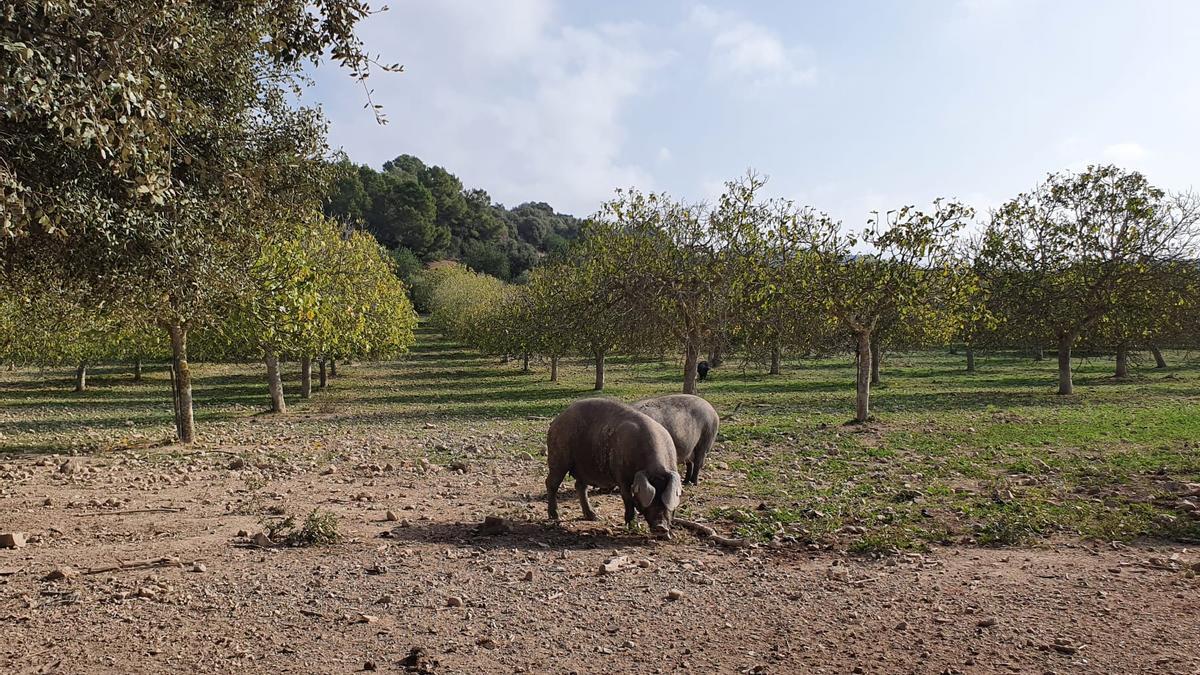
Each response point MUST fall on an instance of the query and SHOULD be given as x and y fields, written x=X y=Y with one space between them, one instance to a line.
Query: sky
x=848 y=107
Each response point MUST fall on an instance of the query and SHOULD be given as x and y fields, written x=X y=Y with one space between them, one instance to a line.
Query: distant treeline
x=423 y=213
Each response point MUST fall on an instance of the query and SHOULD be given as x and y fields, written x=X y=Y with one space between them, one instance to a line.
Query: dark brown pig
x=692 y=423
x=605 y=443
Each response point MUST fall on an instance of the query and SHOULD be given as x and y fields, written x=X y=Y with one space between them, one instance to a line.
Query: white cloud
x=1125 y=153
x=508 y=97
x=743 y=50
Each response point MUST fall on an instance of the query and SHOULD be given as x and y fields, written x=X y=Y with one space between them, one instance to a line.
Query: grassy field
x=993 y=457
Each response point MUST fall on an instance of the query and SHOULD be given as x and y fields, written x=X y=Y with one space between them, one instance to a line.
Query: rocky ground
x=146 y=561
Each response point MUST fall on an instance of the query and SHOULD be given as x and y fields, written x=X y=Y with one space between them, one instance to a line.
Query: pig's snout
x=660 y=530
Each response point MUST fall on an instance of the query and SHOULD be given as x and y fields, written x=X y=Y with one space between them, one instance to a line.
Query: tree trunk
x=776 y=353
x=525 y=362
x=274 y=383
x=12 y=366
x=1159 y=361
x=691 y=356
x=875 y=359
x=137 y=370
x=1037 y=354
x=599 y=372
x=306 y=377
x=970 y=360
x=716 y=356
x=322 y=379
x=181 y=384
x=862 y=410
x=554 y=368
x=81 y=377
x=332 y=368
x=1065 y=386
x=1122 y=361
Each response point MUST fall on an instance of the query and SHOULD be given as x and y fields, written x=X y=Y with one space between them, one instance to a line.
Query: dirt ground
x=530 y=598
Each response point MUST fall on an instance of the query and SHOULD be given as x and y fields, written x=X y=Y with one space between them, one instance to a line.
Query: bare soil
x=528 y=597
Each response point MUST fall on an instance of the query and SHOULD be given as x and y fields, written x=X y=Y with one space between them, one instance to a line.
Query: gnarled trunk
x=1159 y=361
x=716 y=356
x=322 y=380
x=599 y=372
x=1065 y=385
x=306 y=377
x=1122 y=361
x=81 y=377
x=970 y=360
x=862 y=409
x=274 y=383
x=181 y=385
x=554 y=368
x=691 y=357
x=776 y=355
x=875 y=359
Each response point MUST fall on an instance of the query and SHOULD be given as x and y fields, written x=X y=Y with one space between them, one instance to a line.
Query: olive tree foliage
x=141 y=142
x=908 y=273
x=1065 y=254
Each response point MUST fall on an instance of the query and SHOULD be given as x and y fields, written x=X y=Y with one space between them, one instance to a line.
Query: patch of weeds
x=761 y=524
x=320 y=528
x=1010 y=524
x=891 y=540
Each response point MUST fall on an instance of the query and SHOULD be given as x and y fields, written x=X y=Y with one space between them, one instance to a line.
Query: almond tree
x=1063 y=253
x=909 y=271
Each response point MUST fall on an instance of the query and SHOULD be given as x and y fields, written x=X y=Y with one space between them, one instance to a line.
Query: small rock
x=60 y=573
x=71 y=466
x=903 y=625
x=391 y=516
x=987 y=622
x=674 y=594
x=242 y=533
x=486 y=643
x=493 y=525
x=199 y=567
x=329 y=470
x=454 y=601
x=47 y=502
x=529 y=575
x=261 y=539
x=370 y=665
x=366 y=618
x=613 y=564
x=384 y=599
x=13 y=539
x=235 y=464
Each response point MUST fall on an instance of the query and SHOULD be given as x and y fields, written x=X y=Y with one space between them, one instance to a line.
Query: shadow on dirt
x=521 y=534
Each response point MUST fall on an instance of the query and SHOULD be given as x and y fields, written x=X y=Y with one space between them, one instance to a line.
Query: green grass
x=991 y=458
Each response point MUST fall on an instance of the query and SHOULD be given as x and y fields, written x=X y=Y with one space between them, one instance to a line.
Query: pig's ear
x=672 y=491
x=643 y=491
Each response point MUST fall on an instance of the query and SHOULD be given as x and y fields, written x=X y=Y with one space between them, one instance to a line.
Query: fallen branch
x=137 y=565
x=159 y=509
x=706 y=532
